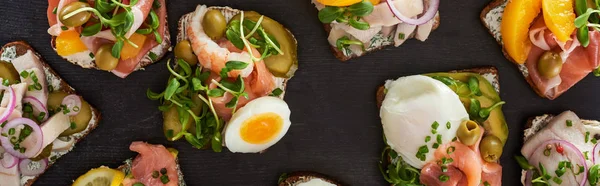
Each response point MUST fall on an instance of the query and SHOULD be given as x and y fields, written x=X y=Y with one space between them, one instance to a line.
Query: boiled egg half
x=418 y=112
x=258 y=125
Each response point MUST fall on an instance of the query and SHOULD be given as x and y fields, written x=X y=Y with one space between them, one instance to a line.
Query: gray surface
x=335 y=128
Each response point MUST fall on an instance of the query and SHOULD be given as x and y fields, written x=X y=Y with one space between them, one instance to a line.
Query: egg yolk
x=261 y=128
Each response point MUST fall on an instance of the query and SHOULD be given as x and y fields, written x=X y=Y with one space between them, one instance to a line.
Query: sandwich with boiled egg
x=155 y=165
x=560 y=150
x=41 y=116
x=116 y=36
x=227 y=87
x=306 y=178
x=357 y=27
x=443 y=128
x=554 y=43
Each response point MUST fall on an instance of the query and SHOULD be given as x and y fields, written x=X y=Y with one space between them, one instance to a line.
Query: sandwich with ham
x=41 y=116
x=560 y=150
x=155 y=165
x=446 y=129
x=116 y=36
x=357 y=27
x=554 y=43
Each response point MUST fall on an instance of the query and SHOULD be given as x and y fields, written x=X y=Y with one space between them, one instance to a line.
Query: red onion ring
x=25 y=168
x=567 y=147
x=8 y=161
x=38 y=106
x=428 y=15
x=73 y=103
x=30 y=151
x=11 y=103
x=596 y=154
x=528 y=178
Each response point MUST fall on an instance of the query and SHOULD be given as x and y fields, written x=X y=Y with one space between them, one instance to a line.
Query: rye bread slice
x=491 y=17
x=154 y=55
x=490 y=73
x=340 y=55
x=296 y=178
x=20 y=48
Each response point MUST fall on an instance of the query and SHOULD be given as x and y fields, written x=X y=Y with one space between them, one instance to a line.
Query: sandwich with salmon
x=357 y=27
x=155 y=165
x=227 y=87
x=560 y=150
x=41 y=116
x=447 y=129
x=116 y=36
x=554 y=43
x=306 y=178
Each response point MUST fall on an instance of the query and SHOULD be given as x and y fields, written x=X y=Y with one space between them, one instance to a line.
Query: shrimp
x=462 y=157
x=210 y=54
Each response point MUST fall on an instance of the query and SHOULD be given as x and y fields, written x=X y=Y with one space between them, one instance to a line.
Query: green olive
x=104 y=58
x=44 y=154
x=550 y=64
x=468 y=132
x=81 y=120
x=183 y=50
x=279 y=65
x=491 y=148
x=8 y=71
x=214 y=24
x=79 y=18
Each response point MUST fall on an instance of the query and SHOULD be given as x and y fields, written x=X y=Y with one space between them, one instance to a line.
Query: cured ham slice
x=579 y=62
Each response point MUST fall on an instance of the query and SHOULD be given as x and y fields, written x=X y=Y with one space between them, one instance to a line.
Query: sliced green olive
x=468 y=132
x=79 y=18
x=214 y=24
x=46 y=152
x=8 y=71
x=280 y=65
x=550 y=64
x=491 y=148
x=183 y=50
x=80 y=121
x=104 y=58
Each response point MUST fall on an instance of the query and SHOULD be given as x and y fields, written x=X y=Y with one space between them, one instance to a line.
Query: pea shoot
x=351 y=15
x=244 y=33
x=395 y=171
x=344 y=42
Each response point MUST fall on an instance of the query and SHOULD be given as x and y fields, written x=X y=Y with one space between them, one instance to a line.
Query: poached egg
x=417 y=113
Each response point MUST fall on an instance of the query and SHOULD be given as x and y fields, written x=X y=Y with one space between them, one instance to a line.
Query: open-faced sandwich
x=443 y=129
x=560 y=150
x=553 y=42
x=356 y=27
x=219 y=90
x=306 y=178
x=41 y=116
x=154 y=166
x=117 y=36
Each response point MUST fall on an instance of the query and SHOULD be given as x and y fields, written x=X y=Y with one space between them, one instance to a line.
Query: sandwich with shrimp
x=554 y=43
x=41 y=116
x=116 y=36
x=357 y=27
x=447 y=129
x=155 y=165
x=560 y=150
x=228 y=85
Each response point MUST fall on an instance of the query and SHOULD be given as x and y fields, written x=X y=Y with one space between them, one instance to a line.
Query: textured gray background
x=336 y=128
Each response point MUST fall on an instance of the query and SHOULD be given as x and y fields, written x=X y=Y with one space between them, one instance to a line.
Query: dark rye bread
x=299 y=177
x=146 y=60
x=22 y=48
x=340 y=55
x=496 y=4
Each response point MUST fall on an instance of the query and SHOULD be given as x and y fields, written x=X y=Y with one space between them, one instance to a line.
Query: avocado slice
x=495 y=124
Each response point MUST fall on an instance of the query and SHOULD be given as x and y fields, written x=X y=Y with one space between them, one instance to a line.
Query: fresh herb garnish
x=344 y=42
x=395 y=171
x=244 y=33
x=351 y=14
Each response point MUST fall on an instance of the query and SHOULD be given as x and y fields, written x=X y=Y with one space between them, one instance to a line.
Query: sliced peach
x=559 y=17
x=69 y=43
x=338 y=2
x=514 y=28
x=128 y=50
